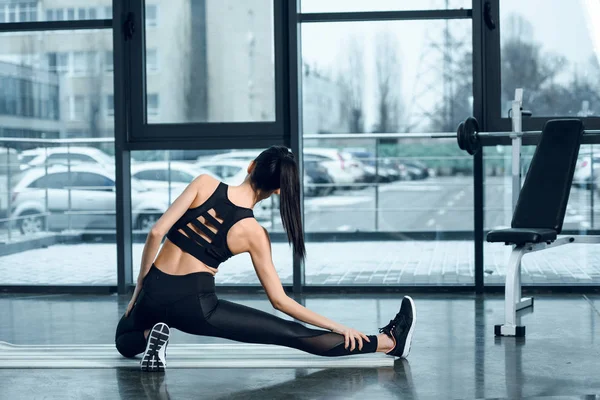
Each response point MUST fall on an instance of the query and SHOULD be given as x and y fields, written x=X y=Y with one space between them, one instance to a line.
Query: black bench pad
x=521 y=235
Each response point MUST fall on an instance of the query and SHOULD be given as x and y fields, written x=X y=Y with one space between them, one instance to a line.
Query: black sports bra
x=210 y=247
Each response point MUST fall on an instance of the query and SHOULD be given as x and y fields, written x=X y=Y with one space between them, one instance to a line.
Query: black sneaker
x=155 y=356
x=401 y=328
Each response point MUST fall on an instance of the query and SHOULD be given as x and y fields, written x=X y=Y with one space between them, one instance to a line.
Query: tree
x=525 y=65
x=351 y=80
x=387 y=70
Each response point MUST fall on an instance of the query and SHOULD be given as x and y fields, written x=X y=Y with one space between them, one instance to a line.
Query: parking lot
x=433 y=205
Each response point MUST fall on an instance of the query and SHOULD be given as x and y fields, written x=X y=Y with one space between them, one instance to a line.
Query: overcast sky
x=561 y=26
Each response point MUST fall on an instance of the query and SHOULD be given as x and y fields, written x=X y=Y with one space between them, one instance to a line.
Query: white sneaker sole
x=154 y=358
x=408 y=342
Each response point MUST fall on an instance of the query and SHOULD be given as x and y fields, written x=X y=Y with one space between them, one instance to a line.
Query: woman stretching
x=209 y=223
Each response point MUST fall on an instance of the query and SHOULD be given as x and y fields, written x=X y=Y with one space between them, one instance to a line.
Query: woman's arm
x=260 y=252
x=160 y=229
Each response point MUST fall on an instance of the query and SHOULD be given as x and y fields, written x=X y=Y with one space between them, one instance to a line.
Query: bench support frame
x=513 y=300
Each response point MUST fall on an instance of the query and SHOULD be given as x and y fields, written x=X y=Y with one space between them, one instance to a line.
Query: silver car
x=82 y=198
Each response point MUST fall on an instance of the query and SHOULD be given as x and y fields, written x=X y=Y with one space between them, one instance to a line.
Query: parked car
x=416 y=169
x=162 y=174
x=87 y=192
x=344 y=169
x=582 y=177
x=385 y=171
x=319 y=183
x=233 y=172
x=42 y=157
x=239 y=155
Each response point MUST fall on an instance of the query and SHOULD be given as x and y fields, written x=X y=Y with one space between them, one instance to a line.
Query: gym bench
x=539 y=212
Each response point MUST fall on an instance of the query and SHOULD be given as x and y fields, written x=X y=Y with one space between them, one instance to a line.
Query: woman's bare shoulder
x=205 y=185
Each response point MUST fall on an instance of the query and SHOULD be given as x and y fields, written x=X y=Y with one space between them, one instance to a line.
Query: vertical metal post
x=46 y=192
x=286 y=13
x=169 y=175
x=69 y=204
x=592 y=188
x=517 y=127
x=8 y=193
x=481 y=95
x=123 y=126
x=376 y=185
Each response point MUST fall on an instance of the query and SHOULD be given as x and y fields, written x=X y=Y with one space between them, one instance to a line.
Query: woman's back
x=210 y=231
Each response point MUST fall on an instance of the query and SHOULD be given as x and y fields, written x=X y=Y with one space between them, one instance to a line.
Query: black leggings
x=189 y=303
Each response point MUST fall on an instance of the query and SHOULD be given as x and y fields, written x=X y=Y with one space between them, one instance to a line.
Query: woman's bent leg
x=129 y=340
x=237 y=322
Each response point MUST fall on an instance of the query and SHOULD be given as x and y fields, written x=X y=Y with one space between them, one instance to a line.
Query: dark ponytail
x=276 y=168
x=290 y=205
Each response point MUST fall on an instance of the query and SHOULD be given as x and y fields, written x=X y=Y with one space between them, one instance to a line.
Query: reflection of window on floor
x=110 y=105
x=151 y=60
x=151 y=15
x=153 y=102
x=77 y=107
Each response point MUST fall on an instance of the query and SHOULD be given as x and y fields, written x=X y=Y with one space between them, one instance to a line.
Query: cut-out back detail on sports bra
x=204 y=235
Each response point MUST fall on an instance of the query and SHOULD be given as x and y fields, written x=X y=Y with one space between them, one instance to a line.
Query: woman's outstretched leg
x=237 y=322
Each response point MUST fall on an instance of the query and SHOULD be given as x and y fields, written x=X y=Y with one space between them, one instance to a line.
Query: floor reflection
x=394 y=381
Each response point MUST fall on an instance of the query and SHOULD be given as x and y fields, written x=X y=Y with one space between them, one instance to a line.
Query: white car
x=239 y=155
x=233 y=172
x=343 y=168
x=161 y=175
x=583 y=171
x=42 y=157
x=87 y=193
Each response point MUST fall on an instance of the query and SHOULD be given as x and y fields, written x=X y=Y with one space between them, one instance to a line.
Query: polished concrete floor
x=454 y=353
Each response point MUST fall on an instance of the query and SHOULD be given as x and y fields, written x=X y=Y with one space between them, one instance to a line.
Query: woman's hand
x=351 y=336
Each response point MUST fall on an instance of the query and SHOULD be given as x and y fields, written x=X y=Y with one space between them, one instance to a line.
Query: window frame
x=493 y=83
x=145 y=135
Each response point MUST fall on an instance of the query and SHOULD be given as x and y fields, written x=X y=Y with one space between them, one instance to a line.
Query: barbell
x=469 y=137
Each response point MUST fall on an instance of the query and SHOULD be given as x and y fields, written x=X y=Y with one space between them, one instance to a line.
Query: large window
x=221 y=61
x=51 y=190
x=559 y=69
x=565 y=265
x=410 y=200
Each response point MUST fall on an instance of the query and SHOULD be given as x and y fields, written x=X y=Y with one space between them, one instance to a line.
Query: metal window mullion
x=56 y=25
x=122 y=125
x=365 y=16
x=293 y=126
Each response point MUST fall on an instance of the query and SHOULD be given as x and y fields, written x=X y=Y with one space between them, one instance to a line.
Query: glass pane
x=163 y=175
x=318 y=6
x=564 y=265
x=220 y=55
x=559 y=69
x=394 y=77
x=44 y=192
x=409 y=76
